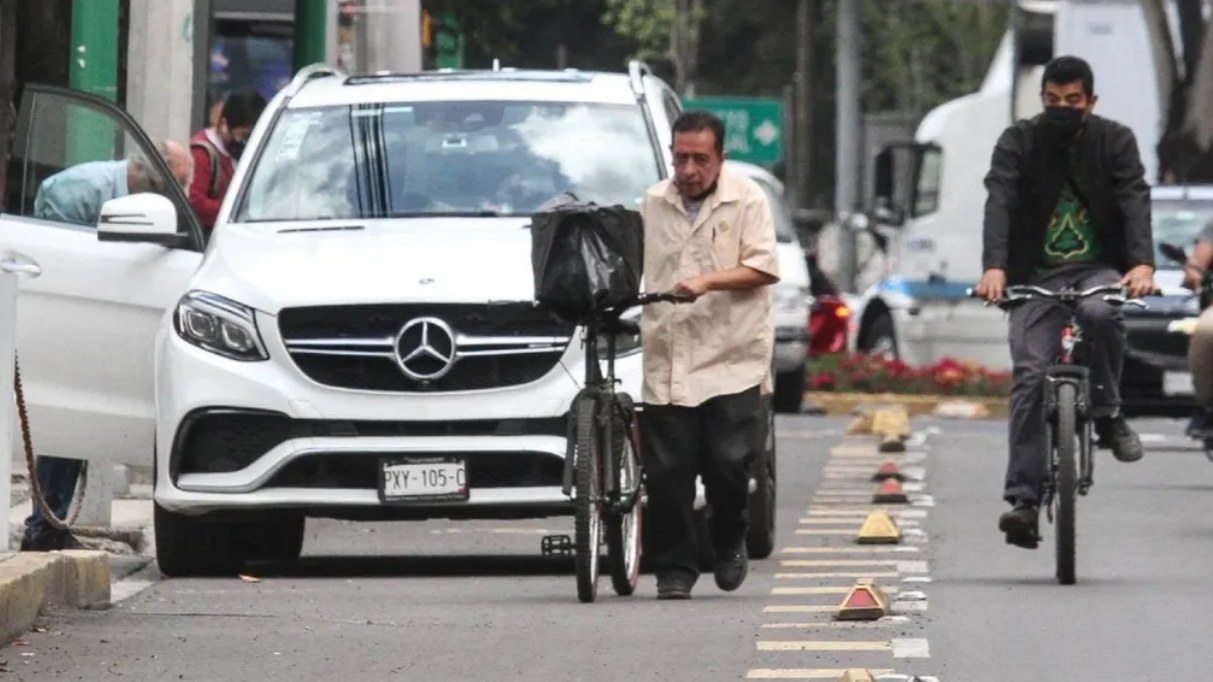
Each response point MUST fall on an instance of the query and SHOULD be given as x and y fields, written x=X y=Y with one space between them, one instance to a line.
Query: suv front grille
x=417 y=348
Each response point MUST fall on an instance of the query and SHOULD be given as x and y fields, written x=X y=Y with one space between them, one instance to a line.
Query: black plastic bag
x=585 y=257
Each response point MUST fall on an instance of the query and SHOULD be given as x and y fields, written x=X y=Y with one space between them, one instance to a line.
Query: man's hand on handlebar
x=1140 y=281
x=692 y=288
x=993 y=285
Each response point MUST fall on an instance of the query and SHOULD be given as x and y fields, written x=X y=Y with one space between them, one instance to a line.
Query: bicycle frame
x=1069 y=367
x=602 y=385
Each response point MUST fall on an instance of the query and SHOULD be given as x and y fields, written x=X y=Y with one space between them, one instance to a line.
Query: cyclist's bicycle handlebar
x=661 y=297
x=1116 y=294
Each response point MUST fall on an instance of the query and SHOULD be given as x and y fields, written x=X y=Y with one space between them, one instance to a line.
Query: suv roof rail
x=309 y=72
x=637 y=70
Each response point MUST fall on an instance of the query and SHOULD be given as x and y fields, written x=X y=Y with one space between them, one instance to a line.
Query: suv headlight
x=625 y=344
x=219 y=325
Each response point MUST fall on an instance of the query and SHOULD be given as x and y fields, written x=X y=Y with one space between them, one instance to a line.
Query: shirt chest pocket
x=725 y=234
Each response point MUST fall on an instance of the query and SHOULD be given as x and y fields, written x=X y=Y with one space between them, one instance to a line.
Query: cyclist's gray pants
x=1035 y=336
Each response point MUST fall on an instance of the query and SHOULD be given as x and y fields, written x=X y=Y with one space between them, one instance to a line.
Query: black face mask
x=235 y=148
x=1064 y=122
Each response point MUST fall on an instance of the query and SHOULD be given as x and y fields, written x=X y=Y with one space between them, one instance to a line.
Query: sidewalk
x=29 y=581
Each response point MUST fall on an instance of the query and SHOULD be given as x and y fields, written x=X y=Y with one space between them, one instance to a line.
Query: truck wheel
x=789 y=391
x=880 y=339
x=760 y=540
x=187 y=546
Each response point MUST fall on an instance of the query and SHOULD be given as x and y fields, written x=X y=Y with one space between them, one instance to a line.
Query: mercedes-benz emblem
x=425 y=349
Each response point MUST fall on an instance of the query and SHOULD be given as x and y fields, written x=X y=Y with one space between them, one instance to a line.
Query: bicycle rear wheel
x=623 y=529
x=587 y=511
x=1065 y=434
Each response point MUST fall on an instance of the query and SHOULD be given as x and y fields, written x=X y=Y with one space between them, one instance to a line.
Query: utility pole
x=847 y=151
x=94 y=69
x=160 y=66
x=801 y=165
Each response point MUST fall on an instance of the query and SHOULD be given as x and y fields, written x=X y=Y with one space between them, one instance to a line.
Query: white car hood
x=458 y=260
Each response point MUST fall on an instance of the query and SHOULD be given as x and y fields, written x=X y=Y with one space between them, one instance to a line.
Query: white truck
x=931 y=213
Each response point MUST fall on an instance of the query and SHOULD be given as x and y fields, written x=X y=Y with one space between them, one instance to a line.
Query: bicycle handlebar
x=1116 y=294
x=665 y=296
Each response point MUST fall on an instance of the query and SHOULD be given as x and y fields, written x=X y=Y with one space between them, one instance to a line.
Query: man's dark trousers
x=1035 y=336
x=57 y=477
x=717 y=439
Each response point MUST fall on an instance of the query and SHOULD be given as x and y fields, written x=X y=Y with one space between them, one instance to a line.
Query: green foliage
x=917 y=55
x=647 y=23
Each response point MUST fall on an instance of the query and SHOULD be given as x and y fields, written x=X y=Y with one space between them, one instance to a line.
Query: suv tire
x=187 y=546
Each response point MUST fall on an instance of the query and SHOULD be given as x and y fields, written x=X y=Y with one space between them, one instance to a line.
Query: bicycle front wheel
x=623 y=528
x=1065 y=434
x=587 y=511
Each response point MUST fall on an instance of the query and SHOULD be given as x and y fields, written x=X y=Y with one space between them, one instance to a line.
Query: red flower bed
x=845 y=373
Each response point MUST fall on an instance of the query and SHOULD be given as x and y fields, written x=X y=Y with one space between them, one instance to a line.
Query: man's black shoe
x=732 y=566
x=1114 y=433
x=50 y=541
x=1021 y=526
x=675 y=586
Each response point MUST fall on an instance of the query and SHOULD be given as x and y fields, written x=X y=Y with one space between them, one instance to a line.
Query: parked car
x=1155 y=376
x=791 y=298
x=265 y=373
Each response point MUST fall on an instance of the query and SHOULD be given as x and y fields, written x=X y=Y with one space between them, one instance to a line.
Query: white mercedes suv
x=357 y=339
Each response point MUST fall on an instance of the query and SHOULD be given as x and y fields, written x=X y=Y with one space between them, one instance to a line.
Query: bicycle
x=1204 y=292
x=598 y=413
x=1067 y=413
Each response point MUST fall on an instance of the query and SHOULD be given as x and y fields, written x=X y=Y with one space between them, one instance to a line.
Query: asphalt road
x=453 y=602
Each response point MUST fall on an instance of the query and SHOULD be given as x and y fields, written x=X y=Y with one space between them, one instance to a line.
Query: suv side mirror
x=144 y=217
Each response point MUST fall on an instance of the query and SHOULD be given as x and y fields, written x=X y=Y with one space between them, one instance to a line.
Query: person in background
x=75 y=195
x=709 y=236
x=217 y=148
x=1200 y=349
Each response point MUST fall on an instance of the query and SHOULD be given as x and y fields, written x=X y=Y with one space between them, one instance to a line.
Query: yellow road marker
x=817 y=563
x=866 y=601
x=824 y=646
x=822 y=575
x=812 y=674
x=879 y=529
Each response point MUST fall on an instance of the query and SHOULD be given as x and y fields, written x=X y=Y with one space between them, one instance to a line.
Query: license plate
x=422 y=480
x=1177 y=383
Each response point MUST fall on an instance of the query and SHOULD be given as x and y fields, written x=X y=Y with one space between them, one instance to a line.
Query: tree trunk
x=801 y=164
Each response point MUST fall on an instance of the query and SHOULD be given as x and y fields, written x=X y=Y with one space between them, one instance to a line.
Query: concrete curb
x=31 y=580
x=849 y=404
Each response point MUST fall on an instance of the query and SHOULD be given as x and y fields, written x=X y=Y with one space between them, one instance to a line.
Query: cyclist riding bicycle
x=1200 y=350
x=1067 y=205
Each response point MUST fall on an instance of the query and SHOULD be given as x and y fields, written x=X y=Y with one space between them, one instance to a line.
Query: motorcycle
x=1200 y=428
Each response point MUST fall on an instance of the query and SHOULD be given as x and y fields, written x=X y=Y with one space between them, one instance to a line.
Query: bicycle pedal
x=557 y=545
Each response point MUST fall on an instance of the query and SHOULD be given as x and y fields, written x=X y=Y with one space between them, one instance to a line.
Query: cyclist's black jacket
x=1026 y=176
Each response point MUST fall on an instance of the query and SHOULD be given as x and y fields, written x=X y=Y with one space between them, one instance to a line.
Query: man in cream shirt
x=709 y=235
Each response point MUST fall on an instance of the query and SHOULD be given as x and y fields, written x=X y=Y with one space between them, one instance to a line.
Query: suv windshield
x=448 y=158
x=1180 y=223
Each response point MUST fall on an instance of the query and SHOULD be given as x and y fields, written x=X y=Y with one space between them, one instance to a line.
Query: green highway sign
x=753 y=127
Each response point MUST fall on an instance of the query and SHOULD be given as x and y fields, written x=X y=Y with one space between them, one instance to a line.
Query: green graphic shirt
x=1070 y=238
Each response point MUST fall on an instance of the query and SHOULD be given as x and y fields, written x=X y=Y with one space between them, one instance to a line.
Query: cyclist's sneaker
x=732 y=566
x=1021 y=526
x=1114 y=433
x=675 y=586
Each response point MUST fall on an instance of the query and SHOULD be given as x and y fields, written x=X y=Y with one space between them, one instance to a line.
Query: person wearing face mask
x=1067 y=205
x=217 y=148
